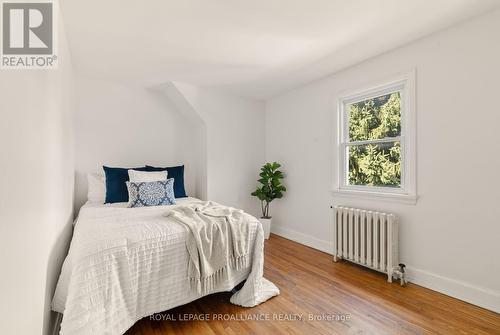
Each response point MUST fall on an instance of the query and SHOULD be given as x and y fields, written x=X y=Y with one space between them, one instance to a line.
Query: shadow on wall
x=124 y=126
x=56 y=258
x=81 y=189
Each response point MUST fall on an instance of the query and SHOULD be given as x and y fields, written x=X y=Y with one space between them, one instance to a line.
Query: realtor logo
x=28 y=35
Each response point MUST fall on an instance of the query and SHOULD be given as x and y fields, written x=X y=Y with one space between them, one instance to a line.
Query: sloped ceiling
x=256 y=48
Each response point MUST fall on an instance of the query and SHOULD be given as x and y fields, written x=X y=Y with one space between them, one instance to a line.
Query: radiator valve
x=400 y=274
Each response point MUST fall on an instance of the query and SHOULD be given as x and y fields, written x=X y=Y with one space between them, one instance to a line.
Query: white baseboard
x=457 y=289
x=310 y=241
x=460 y=290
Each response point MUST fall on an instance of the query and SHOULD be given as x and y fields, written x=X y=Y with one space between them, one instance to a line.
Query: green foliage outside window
x=376 y=164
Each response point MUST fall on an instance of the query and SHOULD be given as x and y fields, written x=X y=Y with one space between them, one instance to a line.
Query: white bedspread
x=128 y=263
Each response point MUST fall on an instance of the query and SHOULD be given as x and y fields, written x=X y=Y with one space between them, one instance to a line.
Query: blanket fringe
x=240 y=262
x=208 y=284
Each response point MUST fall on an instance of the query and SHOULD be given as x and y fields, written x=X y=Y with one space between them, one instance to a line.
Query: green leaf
x=270 y=183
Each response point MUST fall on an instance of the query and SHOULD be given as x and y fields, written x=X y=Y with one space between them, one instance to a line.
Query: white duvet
x=128 y=263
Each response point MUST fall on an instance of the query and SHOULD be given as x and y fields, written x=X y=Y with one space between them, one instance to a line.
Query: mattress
x=125 y=264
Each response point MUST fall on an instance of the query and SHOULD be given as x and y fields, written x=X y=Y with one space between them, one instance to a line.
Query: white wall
x=36 y=202
x=235 y=144
x=127 y=126
x=449 y=239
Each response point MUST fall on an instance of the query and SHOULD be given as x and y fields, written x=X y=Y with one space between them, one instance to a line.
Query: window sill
x=380 y=196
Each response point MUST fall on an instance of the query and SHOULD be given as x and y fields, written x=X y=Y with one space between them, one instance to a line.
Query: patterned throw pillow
x=156 y=193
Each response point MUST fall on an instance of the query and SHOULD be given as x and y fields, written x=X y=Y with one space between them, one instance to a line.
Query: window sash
x=387 y=189
x=374 y=93
x=378 y=141
x=346 y=117
x=345 y=143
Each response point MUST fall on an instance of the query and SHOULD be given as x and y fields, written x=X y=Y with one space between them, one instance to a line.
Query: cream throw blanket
x=128 y=263
x=219 y=237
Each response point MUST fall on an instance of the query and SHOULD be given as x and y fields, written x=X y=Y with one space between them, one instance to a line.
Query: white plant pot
x=266 y=225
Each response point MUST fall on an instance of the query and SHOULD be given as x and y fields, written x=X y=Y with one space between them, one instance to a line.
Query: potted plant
x=270 y=189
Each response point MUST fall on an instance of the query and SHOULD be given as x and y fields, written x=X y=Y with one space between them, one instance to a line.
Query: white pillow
x=96 y=191
x=147 y=176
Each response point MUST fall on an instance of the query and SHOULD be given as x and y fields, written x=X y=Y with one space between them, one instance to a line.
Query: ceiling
x=253 y=48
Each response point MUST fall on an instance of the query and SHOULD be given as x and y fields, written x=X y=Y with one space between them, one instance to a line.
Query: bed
x=128 y=263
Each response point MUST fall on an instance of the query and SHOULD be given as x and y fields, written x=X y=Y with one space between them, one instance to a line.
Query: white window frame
x=407 y=193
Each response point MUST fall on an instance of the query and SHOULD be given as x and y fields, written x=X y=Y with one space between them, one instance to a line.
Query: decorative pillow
x=147 y=176
x=96 y=188
x=156 y=193
x=175 y=172
x=116 y=189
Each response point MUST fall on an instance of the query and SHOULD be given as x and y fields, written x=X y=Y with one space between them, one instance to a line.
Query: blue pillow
x=176 y=172
x=116 y=189
x=156 y=193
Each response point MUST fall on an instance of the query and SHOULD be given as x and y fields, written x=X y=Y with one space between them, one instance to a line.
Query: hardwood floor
x=313 y=286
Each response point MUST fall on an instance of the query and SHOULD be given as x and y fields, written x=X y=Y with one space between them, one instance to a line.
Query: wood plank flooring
x=356 y=300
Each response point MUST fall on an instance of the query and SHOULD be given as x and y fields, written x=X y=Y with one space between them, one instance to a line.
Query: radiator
x=368 y=238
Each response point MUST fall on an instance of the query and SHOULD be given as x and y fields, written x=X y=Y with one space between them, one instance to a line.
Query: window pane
x=375 y=118
x=375 y=164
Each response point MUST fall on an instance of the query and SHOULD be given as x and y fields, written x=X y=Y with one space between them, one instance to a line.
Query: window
x=375 y=143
